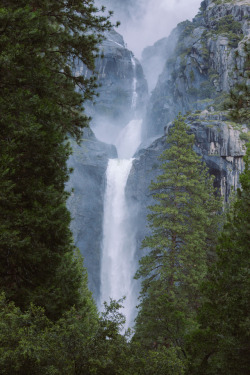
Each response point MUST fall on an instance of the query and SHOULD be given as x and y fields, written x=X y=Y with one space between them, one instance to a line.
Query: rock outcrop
x=119 y=75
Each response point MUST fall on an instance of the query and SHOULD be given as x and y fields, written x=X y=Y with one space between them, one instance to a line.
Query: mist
x=143 y=22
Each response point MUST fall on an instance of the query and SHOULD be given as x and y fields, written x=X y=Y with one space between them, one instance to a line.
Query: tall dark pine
x=40 y=43
x=182 y=222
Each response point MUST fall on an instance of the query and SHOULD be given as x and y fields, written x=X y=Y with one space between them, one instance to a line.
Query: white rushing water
x=119 y=246
x=118 y=251
x=129 y=139
x=134 y=95
x=118 y=264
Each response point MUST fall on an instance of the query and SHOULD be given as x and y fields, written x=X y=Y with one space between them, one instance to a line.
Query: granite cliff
x=209 y=58
x=195 y=68
x=119 y=73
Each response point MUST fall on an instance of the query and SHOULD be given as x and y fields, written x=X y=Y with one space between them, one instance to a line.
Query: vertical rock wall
x=209 y=58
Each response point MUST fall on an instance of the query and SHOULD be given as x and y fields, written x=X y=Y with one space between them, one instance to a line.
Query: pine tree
x=182 y=222
x=238 y=100
x=41 y=42
x=221 y=345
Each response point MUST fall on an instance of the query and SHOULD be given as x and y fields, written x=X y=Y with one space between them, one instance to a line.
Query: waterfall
x=118 y=264
x=118 y=251
x=134 y=83
x=129 y=139
x=119 y=246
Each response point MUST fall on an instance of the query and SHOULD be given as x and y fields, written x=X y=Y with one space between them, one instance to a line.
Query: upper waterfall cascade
x=134 y=95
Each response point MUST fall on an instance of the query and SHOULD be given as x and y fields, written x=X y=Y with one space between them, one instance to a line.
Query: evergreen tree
x=221 y=345
x=41 y=42
x=183 y=221
x=238 y=100
x=76 y=344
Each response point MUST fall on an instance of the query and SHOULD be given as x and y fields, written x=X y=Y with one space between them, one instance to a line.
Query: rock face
x=219 y=143
x=89 y=161
x=216 y=140
x=208 y=60
x=120 y=75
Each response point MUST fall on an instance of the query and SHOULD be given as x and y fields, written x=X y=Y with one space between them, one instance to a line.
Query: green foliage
x=221 y=345
x=245 y=136
x=227 y=24
x=51 y=325
x=164 y=361
x=230 y=28
x=186 y=28
x=184 y=225
x=78 y=343
x=40 y=44
x=238 y=102
x=220 y=100
x=30 y=343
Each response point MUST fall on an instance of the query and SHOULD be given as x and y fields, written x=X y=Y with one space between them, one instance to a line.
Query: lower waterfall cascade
x=118 y=265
